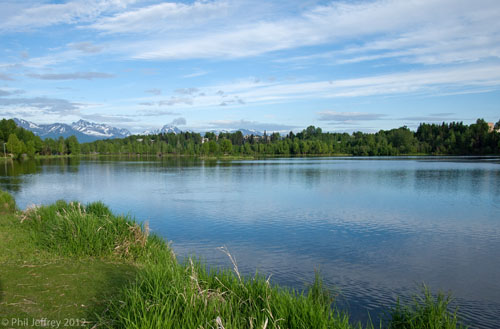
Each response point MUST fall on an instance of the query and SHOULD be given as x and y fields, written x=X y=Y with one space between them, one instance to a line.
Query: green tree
x=30 y=149
x=205 y=148
x=37 y=141
x=7 y=127
x=247 y=149
x=213 y=147
x=73 y=145
x=226 y=146
x=402 y=139
x=14 y=145
x=61 y=145
x=211 y=136
x=85 y=148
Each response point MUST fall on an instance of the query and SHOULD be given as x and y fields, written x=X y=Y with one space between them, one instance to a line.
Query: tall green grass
x=427 y=311
x=72 y=229
x=169 y=294
x=7 y=203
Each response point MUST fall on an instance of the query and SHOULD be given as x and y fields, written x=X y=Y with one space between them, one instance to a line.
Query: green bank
x=72 y=266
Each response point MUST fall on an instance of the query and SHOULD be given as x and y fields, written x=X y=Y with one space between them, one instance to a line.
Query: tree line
x=453 y=138
x=18 y=141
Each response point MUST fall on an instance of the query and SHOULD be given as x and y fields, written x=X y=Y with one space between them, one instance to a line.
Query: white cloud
x=179 y=122
x=433 y=117
x=428 y=82
x=349 y=116
x=444 y=44
x=423 y=32
x=246 y=93
x=71 y=12
x=86 y=47
x=465 y=30
x=155 y=113
x=154 y=91
x=246 y=124
x=186 y=91
x=195 y=74
x=72 y=76
x=42 y=105
x=97 y=117
x=162 y=17
x=431 y=82
x=176 y=101
x=55 y=58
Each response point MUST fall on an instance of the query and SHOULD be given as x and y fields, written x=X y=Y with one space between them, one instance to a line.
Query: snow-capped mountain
x=83 y=130
x=26 y=124
x=218 y=132
x=164 y=130
x=99 y=129
x=248 y=132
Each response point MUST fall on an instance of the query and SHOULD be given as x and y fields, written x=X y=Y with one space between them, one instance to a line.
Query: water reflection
x=374 y=227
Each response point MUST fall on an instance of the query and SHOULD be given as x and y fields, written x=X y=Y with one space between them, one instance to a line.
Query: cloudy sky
x=268 y=65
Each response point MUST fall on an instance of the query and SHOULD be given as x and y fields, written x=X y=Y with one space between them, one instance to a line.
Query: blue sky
x=270 y=65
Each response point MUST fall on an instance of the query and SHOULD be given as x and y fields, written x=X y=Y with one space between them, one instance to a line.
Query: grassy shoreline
x=81 y=262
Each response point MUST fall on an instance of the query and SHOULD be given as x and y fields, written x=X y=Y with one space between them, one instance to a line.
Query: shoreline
x=232 y=157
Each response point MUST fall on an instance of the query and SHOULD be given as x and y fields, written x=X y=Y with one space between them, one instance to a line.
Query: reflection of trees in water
x=19 y=167
x=454 y=180
x=152 y=161
x=12 y=171
x=62 y=165
x=312 y=177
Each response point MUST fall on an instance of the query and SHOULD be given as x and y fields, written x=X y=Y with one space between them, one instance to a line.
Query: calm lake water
x=376 y=228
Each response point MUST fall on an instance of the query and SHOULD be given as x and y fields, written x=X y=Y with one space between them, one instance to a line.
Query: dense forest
x=453 y=138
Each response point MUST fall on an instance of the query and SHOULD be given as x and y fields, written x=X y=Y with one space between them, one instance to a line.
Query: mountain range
x=86 y=131
x=164 y=130
x=245 y=132
x=83 y=130
x=172 y=129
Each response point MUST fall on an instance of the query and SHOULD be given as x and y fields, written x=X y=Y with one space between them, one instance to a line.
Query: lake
x=375 y=228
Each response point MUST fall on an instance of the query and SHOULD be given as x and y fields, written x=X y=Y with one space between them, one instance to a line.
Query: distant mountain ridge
x=164 y=130
x=249 y=132
x=84 y=131
x=245 y=132
x=172 y=129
